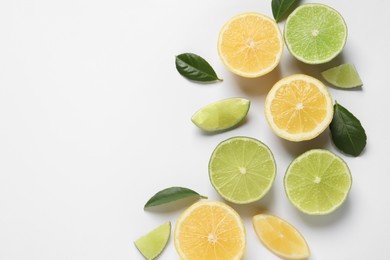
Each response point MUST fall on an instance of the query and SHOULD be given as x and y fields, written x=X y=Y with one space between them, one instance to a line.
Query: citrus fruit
x=210 y=230
x=317 y=182
x=280 y=237
x=299 y=108
x=153 y=243
x=242 y=169
x=343 y=76
x=221 y=115
x=315 y=33
x=250 y=44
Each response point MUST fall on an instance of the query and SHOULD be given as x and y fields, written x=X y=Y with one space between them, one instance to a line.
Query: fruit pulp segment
x=210 y=232
x=251 y=44
x=298 y=107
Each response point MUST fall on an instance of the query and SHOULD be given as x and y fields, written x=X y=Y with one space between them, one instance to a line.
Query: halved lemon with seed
x=210 y=230
x=280 y=237
x=250 y=44
x=298 y=108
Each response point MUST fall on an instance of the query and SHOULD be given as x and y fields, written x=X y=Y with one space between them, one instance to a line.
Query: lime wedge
x=317 y=182
x=343 y=76
x=315 y=33
x=242 y=169
x=153 y=243
x=221 y=115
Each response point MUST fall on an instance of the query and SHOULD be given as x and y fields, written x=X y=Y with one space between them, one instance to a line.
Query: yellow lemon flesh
x=298 y=108
x=210 y=230
x=250 y=45
x=280 y=237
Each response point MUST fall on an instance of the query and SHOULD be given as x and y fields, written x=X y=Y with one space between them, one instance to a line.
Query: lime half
x=221 y=115
x=153 y=243
x=317 y=182
x=242 y=169
x=315 y=33
x=343 y=76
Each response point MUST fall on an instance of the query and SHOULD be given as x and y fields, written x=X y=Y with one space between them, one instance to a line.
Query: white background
x=95 y=119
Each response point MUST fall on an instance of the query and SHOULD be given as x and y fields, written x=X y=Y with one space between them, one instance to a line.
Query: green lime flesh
x=153 y=243
x=221 y=115
x=315 y=33
x=317 y=182
x=242 y=169
x=343 y=76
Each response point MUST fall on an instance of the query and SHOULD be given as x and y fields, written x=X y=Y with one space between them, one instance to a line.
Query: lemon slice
x=250 y=44
x=298 y=108
x=210 y=230
x=280 y=237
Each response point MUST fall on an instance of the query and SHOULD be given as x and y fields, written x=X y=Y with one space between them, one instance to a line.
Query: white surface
x=94 y=119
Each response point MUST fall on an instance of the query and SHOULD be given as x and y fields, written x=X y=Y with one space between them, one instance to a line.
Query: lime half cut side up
x=242 y=169
x=343 y=76
x=317 y=182
x=315 y=33
x=221 y=115
x=153 y=243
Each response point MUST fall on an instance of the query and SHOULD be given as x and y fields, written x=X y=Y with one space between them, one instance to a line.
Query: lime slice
x=317 y=182
x=315 y=33
x=153 y=243
x=242 y=169
x=221 y=115
x=343 y=76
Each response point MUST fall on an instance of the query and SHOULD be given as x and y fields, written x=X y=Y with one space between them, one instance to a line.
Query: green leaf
x=347 y=132
x=280 y=7
x=172 y=194
x=194 y=67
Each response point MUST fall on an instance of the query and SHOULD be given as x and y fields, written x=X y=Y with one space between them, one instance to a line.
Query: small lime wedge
x=315 y=33
x=242 y=169
x=343 y=76
x=153 y=243
x=221 y=115
x=317 y=182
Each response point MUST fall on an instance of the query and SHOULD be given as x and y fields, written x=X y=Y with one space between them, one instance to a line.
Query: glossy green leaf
x=280 y=7
x=347 y=132
x=194 y=67
x=172 y=194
